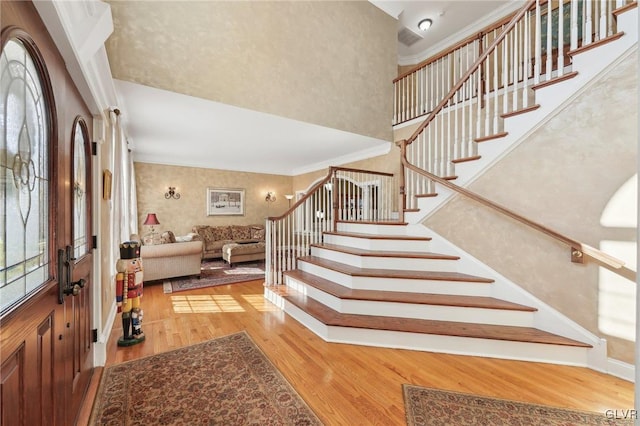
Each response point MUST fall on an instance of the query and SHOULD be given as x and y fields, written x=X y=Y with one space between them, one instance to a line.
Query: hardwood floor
x=345 y=384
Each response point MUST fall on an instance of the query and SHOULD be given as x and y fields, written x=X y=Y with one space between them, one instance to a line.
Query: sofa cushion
x=240 y=232
x=221 y=233
x=257 y=232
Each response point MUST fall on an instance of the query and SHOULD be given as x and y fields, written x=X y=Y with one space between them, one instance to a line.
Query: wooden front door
x=45 y=245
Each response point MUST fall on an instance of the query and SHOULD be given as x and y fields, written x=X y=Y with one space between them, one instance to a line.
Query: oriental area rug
x=425 y=406
x=217 y=272
x=224 y=381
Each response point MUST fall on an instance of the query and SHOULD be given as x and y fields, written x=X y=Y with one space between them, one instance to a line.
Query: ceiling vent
x=408 y=37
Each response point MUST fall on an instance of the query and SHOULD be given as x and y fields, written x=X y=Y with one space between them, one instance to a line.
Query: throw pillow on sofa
x=257 y=233
x=167 y=237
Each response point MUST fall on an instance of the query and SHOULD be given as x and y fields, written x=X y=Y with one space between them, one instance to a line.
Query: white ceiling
x=453 y=20
x=215 y=135
x=154 y=119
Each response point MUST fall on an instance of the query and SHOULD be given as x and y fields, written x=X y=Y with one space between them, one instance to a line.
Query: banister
x=305 y=197
x=578 y=249
x=326 y=179
x=470 y=71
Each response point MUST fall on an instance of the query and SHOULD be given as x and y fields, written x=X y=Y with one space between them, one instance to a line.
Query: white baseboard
x=621 y=370
x=100 y=347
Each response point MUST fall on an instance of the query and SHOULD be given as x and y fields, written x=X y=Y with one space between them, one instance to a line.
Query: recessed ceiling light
x=425 y=24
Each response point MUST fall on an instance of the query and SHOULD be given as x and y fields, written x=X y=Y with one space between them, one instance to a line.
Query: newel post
x=402 y=199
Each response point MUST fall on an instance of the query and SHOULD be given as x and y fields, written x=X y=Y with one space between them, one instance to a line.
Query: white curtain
x=124 y=203
x=133 y=199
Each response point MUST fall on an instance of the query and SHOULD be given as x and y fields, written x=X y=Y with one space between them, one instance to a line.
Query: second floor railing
x=531 y=53
x=501 y=82
x=344 y=194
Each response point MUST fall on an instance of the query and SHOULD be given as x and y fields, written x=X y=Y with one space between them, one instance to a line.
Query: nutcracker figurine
x=129 y=291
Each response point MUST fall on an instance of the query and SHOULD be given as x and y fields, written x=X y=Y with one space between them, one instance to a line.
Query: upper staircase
x=342 y=263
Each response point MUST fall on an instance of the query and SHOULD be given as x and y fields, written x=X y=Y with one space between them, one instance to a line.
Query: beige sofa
x=162 y=261
x=215 y=238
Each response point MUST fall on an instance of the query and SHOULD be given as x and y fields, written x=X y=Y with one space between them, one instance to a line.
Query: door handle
x=62 y=275
x=65 y=275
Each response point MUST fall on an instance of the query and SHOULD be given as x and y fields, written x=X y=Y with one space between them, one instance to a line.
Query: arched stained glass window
x=80 y=240
x=24 y=175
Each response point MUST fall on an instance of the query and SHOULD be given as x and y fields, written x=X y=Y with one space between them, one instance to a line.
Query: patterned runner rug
x=425 y=406
x=225 y=381
x=217 y=272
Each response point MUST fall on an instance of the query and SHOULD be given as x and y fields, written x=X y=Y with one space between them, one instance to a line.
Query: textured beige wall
x=179 y=216
x=563 y=176
x=338 y=57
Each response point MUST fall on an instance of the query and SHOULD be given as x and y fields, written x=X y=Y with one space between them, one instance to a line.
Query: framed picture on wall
x=225 y=202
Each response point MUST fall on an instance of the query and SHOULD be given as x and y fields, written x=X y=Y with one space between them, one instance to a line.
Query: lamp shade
x=151 y=219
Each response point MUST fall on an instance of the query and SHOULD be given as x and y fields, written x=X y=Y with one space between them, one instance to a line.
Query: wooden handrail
x=305 y=197
x=471 y=70
x=326 y=179
x=578 y=249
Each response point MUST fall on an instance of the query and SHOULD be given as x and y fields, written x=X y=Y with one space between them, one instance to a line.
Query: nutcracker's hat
x=129 y=250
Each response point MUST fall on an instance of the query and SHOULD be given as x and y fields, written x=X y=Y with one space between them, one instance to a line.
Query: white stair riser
x=398 y=284
x=409 y=264
x=417 y=311
x=536 y=352
x=419 y=246
x=307 y=320
x=375 y=229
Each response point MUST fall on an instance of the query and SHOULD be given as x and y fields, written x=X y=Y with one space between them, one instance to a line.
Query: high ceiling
x=176 y=128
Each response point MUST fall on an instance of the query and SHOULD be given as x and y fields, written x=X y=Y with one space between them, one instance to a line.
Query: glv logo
x=621 y=414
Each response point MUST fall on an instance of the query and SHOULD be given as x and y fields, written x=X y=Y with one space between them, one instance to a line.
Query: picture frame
x=225 y=202
x=106 y=184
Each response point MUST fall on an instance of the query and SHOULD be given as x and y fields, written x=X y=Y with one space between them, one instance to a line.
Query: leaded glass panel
x=80 y=246
x=24 y=173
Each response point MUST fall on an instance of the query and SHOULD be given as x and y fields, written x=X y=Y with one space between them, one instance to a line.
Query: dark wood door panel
x=26 y=377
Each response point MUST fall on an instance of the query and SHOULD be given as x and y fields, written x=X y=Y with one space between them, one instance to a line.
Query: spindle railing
x=508 y=62
x=344 y=194
x=522 y=59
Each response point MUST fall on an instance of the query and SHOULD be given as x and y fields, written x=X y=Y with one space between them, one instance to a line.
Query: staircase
x=379 y=284
x=400 y=285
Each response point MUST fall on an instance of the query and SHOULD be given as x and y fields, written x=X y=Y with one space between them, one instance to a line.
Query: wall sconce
x=289 y=197
x=172 y=193
x=271 y=197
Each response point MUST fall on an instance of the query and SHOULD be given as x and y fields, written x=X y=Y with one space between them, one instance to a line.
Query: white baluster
x=574 y=25
x=516 y=64
x=603 y=19
x=549 y=31
x=537 y=70
x=496 y=109
x=587 y=37
x=526 y=44
x=505 y=73
x=561 y=39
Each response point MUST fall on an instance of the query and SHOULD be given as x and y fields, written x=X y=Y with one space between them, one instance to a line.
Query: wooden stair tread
x=381 y=253
x=343 y=292
x=393 y=273
x=330 y=317
x=377 y=237
x=373 y=222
